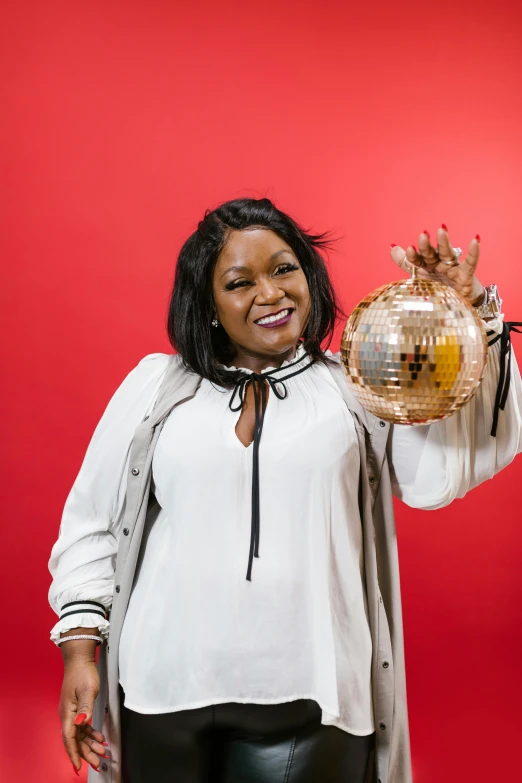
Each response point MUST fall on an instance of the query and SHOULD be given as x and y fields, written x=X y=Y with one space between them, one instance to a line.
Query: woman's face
x=258 y=277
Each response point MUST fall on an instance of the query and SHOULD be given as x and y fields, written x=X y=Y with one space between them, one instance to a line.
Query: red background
x=123 y=122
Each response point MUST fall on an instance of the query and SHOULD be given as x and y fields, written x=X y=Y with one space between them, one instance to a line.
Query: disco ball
x=414 y=351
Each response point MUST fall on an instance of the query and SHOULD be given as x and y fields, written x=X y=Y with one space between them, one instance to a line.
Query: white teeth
x=271 y=318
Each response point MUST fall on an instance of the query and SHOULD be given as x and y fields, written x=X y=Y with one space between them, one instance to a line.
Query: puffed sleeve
x=432 y=464
x=83 y=559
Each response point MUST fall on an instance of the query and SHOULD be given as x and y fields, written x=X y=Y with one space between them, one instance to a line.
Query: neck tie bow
x=275 y=379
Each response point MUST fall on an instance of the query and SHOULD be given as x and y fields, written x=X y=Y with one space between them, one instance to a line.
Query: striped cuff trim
x=83 y=611
x=83 y=606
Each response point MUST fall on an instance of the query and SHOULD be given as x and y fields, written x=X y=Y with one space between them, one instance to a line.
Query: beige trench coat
x=390 y=760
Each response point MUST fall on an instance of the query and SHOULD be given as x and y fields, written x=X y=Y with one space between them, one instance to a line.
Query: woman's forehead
x=252 y=245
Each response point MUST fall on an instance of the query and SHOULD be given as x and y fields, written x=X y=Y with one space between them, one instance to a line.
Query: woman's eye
x=282 y=270
x=236 y=284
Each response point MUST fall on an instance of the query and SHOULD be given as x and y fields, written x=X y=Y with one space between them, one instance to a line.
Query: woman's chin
x=279 y=342
x=279 y=347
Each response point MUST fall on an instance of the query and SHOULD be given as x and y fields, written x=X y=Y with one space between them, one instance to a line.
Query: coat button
x=385 y=665
x=371 y=479
x=117 y=588
x=135 y=471
x=125 y=531
x=382 y=424
x=382 y=726
x=104 y=767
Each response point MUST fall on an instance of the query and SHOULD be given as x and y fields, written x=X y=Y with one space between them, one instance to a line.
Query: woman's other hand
x=429 y=260
x=80 y=687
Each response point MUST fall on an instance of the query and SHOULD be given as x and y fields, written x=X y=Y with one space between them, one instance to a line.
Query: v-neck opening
x=250 y=445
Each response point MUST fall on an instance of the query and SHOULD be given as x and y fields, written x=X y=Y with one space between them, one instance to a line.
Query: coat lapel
x=178 y=386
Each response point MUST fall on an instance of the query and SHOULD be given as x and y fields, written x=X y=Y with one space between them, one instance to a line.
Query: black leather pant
x=241 y=743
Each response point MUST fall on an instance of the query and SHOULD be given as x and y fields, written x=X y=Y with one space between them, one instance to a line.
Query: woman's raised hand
x=80 y=687
x=430 y=263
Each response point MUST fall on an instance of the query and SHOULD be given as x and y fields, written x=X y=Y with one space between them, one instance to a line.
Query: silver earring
x=215 y=322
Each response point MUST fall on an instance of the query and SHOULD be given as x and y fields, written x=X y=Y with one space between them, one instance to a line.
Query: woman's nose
x=269 y=292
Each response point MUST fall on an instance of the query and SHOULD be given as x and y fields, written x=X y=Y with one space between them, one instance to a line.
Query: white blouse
x=196 y=631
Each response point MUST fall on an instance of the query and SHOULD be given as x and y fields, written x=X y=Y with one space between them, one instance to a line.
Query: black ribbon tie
x=258 y=381
x=504 y=379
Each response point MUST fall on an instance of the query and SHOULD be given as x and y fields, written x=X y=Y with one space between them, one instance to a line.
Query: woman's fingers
x=94 y=733
x=398 y=256
x=80 y=687
x=93 y=739
x=89 y=752
x=427 y=252
x=472 y=257
x=427 y=256
x=430 y=262
x=70 y=740
x=444 y=248
x=467 y=267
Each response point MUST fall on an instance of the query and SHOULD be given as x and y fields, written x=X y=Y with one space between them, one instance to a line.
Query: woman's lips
x=278 y=319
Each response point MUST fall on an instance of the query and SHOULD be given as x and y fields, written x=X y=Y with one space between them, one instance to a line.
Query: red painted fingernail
x=106 y=744
x=80 y=718
x=444 y=226
x=105 y=757
x=95 y=768
x=75 y=769
x=413 y=246
x=477 y=237
x=392 y=245
x=427 y=233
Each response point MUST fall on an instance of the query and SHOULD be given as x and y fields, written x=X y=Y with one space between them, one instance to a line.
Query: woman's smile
x=272 y=320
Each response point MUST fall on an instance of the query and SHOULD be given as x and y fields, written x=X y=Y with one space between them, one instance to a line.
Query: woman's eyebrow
x=278 y=253
x=241 y=268
x=236 y=269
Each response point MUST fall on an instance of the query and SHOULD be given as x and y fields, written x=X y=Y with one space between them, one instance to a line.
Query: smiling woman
x=250 y=441
x=263 y=304
x=246 y=264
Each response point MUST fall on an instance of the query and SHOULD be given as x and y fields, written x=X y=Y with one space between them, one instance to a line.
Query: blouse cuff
x=493 y=327
x=81 y=614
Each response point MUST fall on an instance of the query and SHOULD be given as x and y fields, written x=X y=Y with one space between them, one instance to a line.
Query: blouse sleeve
x=83 y=559
x=432 y=464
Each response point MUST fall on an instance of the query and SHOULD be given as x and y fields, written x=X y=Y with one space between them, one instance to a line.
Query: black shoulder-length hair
x=203 y=347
